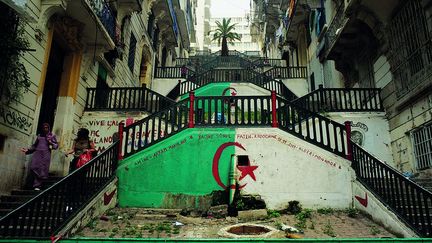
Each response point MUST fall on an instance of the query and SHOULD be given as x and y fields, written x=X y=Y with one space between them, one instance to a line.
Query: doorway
x=51 y=85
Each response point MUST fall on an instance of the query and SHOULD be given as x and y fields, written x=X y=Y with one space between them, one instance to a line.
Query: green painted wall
x=214 y=89
x=177 y=172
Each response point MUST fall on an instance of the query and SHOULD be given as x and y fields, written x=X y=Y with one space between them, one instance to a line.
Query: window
x=102 y=92
x=243 y=160
x=132 y=46
x=410 y=47
x=2 y=142
x=422 y=142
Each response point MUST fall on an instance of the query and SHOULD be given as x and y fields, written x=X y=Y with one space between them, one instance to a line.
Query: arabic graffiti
x=15 y=119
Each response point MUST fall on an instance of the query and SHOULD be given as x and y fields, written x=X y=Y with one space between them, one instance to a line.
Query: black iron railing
x=269 y=62
x=236 y=76
x=125 y=98
x=187 y=86
x=155 y=128
x=232 y=111
x=337 y=23
x=313 y=128
x=287 y=72
x=409 y=201
x=48 y=212
x=173 y=72
x=105 y=15
x=336 y=100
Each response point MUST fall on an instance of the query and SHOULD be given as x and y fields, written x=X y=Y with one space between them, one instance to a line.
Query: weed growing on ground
x=304 y=214
x=312 y=226
x=328 y=229
x=352 y=212
x=240 y=205
x=273 y=214
x=163 y=227
x=278 y=225
x=374 y=230
x=92 y=224
x=176 y=230
x=325 y=211
x=301 y=218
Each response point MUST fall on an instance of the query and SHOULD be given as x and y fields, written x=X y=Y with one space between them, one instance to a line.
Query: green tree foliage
x=14 y=78
x=225 y=33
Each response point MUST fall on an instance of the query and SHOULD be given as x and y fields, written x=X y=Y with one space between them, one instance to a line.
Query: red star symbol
x=233 y=93
x=247 y=170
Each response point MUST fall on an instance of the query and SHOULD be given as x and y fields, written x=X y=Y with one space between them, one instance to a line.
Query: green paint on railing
x=168 y=240
x=176 y=172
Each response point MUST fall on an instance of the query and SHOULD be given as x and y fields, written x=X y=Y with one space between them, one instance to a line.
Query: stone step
x=155 y=217
x=16 y=198
x=25 y=192
x=10 y=205
x=166 y=211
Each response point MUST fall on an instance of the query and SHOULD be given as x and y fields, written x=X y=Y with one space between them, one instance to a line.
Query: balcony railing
x=338 y=22
x=105 y=15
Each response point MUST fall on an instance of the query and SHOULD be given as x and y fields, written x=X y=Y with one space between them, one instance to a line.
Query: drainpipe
x=232 y=179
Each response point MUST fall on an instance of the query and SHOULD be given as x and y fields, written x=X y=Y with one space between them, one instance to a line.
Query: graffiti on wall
x=103 y=130
x=358 y=132
x=281 y=140
x=15 y=119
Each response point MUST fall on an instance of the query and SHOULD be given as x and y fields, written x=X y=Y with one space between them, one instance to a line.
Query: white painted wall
x=298 y=86
x=249 y=89
x=379 y=211
x=164 y=85
x=292 y=169
x=375 y=130
x=103 y=125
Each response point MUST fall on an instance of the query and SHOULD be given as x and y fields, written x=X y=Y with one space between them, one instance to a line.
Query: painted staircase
x=408 y=200
x=18 y=197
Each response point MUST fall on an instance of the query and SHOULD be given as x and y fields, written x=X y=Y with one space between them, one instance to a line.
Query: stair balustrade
x=232 y=111
x=313 y=128
x=155 y=128
x=340 y=99
x=173 y=72
x=408 y=200
x=287 y=72
x=48 y=212
x=126 y=99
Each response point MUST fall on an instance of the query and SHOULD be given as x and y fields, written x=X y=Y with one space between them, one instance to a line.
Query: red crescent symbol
x=215 y=167
x=229 y=88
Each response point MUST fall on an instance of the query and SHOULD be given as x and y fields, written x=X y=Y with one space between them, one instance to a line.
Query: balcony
x=99 y=22
x=167 y=21
x=130 y=5
x=183 y=23
x=297 y=14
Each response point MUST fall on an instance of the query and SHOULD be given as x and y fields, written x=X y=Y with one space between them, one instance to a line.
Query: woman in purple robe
x=41 y=150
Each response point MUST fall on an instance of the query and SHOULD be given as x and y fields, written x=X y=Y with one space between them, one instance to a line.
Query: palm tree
x=224 y=32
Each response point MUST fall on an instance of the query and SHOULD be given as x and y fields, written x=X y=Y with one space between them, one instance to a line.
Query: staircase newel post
x=348 y=138
x=191 y=109
x=273 y=101
x=321 y=96
x=120 y=146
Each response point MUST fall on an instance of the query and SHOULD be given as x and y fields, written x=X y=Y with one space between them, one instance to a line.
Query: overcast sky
x=229 y=8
